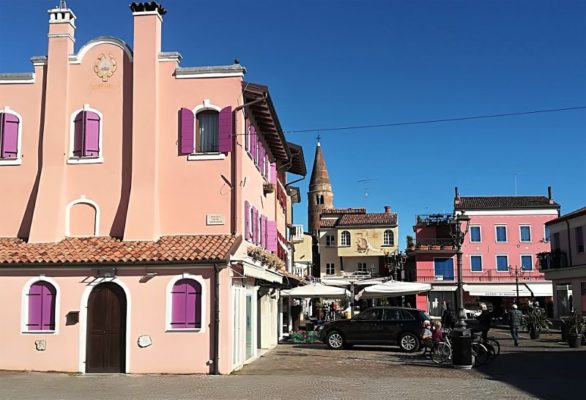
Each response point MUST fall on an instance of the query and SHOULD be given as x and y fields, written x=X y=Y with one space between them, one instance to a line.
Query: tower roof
x=319 y=174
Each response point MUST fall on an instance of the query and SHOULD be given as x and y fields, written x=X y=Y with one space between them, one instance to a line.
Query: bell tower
x=320 y=195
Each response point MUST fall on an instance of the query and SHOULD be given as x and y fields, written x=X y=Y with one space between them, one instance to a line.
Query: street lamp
x=462 y=341
x=516 y=272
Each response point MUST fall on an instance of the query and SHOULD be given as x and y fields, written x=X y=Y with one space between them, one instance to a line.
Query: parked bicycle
x=483 y=352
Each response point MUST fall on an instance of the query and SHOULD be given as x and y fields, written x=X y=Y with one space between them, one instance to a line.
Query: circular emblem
x=105 y=67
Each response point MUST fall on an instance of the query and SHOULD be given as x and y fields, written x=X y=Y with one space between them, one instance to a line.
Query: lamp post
x=462 y=341
x=516 y=272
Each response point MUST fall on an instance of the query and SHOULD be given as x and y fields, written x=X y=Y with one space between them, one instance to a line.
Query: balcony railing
x=428 y=275
x=296 y=233
x=434 y=219
x=434 y=244
x=552 y=260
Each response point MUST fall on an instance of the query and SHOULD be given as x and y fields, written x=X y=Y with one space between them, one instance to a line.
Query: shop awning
x=393 y=289
x=443 y=288
x=262 y=273
x=316 y=290
x=510 y=289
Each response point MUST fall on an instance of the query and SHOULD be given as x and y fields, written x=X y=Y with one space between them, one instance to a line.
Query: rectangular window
x=330 y=240
x=476 y=263
x=501 y=233
x=525 y=233
x=502 y=263
x=362 y=267
x=546 y=234
x=444 y=269
x=475 y=234
x=555 y=241
x=527 y=262
x=579 y=239
x=330 y=269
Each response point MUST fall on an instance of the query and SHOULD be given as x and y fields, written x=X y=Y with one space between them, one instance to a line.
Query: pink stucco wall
x=170 y=352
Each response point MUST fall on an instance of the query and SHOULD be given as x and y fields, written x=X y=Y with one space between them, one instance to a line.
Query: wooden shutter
x=192 y=297
x=35 y=307
x=225 y=139
x=48 y=307
x=261 y=159
x=91 y=143
x=247 y=235
x=9 y=136
x=178 y=304
x=253 y=142
x=274 y=173
x=272 y=236
x=247 y=135
x=78 y=136
x=186 y=131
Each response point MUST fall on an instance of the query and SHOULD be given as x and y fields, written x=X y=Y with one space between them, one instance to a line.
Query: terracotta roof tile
x=195 y=248
x=328 y=222
x=344 y=211
x=368 y=219
x=504 y=202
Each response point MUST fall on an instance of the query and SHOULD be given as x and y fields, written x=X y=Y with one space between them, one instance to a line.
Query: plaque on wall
x=214 y=219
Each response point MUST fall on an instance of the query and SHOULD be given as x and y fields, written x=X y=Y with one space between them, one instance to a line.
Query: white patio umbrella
x=392 y=289
x=316 y=290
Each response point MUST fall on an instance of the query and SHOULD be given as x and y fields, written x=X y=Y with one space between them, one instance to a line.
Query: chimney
x=143 y=217
x=387 y=209
x=549 y=195
x=456 y=196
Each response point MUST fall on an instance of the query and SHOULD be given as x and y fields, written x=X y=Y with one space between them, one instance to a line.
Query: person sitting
x=426 y=337
x=438 y=333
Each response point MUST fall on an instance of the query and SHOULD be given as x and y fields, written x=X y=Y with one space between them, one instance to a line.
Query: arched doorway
x=106 y=329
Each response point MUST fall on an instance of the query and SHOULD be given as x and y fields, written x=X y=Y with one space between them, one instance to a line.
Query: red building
x=499 y=253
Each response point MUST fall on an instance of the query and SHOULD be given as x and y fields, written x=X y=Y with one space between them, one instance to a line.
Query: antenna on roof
x=62 y=4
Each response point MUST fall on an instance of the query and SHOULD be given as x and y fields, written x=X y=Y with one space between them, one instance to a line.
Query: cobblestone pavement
x=542 y=369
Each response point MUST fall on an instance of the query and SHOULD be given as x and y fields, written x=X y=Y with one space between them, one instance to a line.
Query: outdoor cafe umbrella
x=392 y=289
x=316 y=290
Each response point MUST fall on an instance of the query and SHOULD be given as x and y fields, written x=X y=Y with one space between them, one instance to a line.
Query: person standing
x=484 y=320
x=448 y=317
x=515 y=322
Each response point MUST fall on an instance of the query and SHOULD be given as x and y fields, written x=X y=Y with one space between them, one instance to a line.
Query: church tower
x=320 y=192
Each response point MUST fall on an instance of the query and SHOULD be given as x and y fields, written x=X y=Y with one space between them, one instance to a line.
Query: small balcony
x=431 y=275
x=434 y=245
x=434 y=219
x=552 y=260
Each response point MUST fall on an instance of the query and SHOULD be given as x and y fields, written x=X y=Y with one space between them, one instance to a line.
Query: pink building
x=144 y=211
x=499 y=253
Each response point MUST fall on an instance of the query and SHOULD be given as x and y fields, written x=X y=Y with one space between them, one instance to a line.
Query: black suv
x=377 y=325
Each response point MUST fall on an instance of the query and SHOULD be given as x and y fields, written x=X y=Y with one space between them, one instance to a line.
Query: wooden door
x=106 y=329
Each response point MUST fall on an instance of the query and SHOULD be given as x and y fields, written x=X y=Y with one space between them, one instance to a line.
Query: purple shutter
x=178 y=303
x=48 y=307
x=261 y=158
x=254 y=226
x=35 y=307
x=91 y=146
x=225 y=139
x=186 y=131
x=198 y=320
x=265 y=232
x=274 y=173
x=247 y=135
x=9 y=135
x=261 y=239
x=253 y=143
x=247 y=220
x=78 y=135
x=272 y=236
x=190 y=304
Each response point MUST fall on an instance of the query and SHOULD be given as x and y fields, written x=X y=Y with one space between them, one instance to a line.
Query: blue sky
x=346 y=62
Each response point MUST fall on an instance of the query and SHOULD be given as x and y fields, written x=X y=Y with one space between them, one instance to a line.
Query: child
x=438 y=334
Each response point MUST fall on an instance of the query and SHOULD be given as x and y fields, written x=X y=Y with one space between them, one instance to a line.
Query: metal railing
x=428 y=275
x=552 y=260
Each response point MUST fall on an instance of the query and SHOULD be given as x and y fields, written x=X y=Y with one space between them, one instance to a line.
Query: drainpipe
x=216 y=350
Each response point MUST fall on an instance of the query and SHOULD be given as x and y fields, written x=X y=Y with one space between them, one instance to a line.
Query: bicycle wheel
x=441 y=353
x=495 y=344
x=480 y=353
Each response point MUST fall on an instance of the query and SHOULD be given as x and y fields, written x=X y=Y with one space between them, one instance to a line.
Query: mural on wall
x=363 y=245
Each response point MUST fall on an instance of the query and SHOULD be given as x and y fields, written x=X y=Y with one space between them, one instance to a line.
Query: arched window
x=345 y=239
x=389 y=238
x=86 y=135
x=10 y=137
x=186 y=305
x=319 y=199
x=41 y=298
x=207 y=131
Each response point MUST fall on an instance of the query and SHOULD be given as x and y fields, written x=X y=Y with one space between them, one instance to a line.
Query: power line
x=435 y=121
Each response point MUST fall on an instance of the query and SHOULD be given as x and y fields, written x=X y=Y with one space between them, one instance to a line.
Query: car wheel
x=335 y=340
x=409 y=342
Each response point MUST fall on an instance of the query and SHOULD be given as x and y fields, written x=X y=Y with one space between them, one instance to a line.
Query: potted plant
x=410 y=242
x=536 y=321
x=576 y=326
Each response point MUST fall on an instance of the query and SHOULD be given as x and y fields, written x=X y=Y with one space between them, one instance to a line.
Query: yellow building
x=354 y=243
